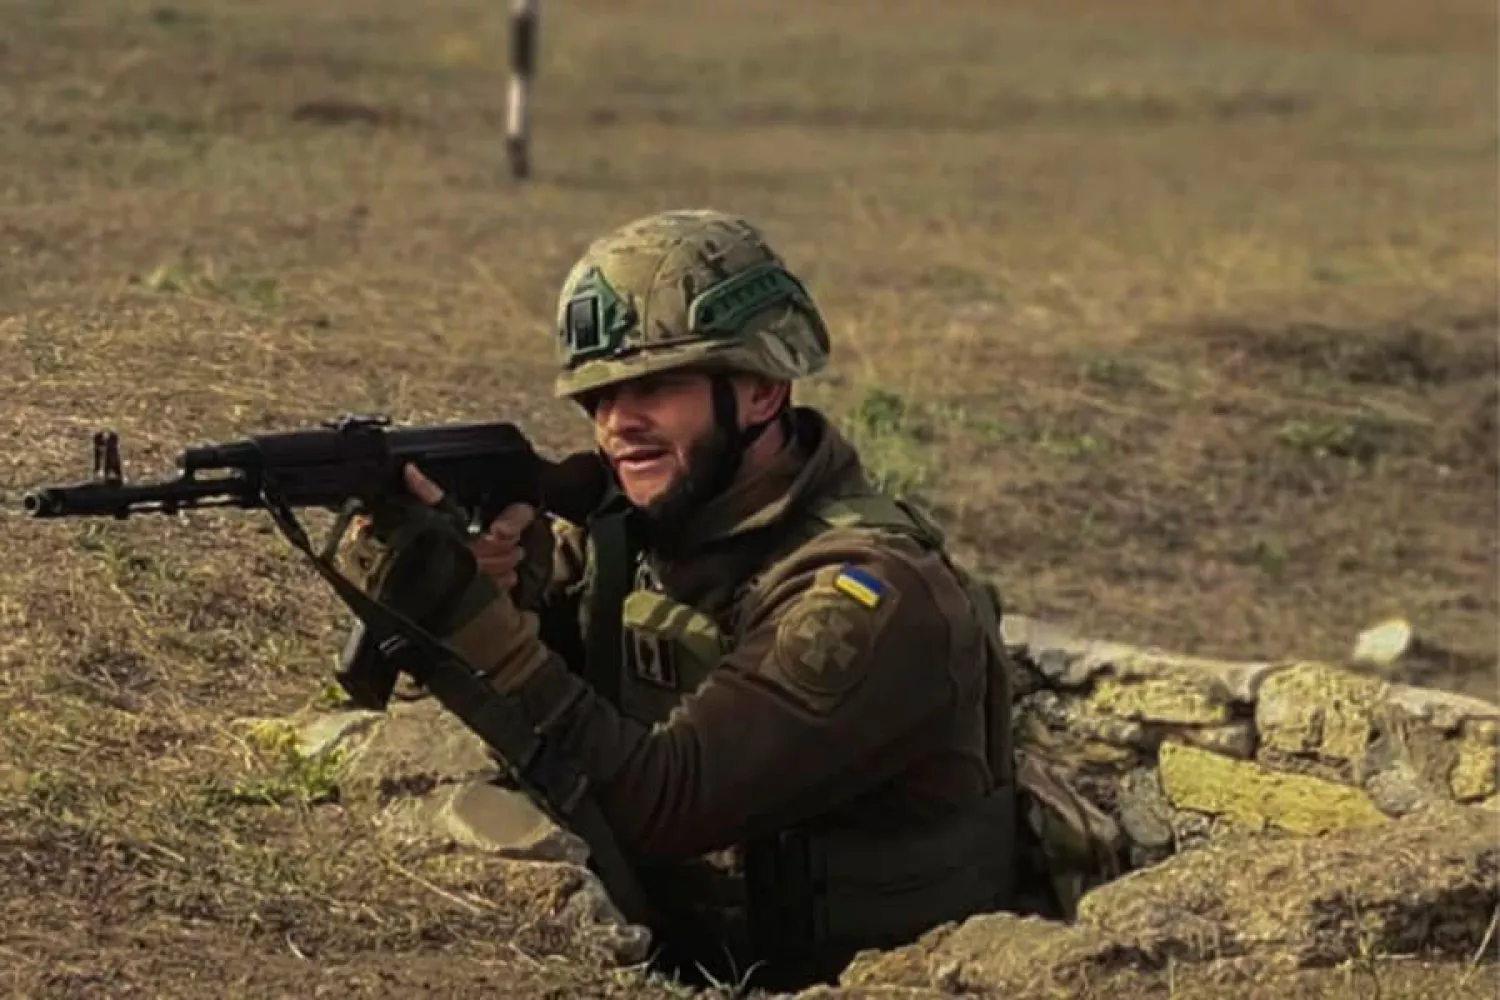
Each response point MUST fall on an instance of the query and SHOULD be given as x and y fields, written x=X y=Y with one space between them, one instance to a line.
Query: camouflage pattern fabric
x=695 y=289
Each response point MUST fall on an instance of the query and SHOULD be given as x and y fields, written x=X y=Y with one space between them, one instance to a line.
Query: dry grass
x=1182 y=315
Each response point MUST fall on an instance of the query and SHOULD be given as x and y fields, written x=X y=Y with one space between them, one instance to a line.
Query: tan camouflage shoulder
x=570 y=550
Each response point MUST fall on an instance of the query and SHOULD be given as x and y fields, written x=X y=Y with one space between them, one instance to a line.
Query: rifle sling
x=603 y=656
x=557 y=786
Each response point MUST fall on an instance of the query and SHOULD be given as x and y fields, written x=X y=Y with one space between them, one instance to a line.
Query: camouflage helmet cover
x=695 y=289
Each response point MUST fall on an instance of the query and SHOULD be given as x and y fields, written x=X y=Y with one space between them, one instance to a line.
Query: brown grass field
x=1181 y=315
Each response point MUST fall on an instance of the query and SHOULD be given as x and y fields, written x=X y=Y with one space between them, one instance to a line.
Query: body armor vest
x=801 y=902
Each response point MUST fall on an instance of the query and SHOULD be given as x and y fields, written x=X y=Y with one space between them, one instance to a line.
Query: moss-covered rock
x=1173 y=699
x=1255 y=797
x=1321 y=714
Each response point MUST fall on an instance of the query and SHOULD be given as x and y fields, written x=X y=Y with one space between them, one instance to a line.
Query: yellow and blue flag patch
x=860 y=585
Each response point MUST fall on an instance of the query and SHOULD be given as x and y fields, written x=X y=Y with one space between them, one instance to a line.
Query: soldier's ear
x=760 y=398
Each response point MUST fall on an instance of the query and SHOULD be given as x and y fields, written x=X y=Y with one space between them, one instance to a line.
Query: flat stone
x=505 y=822
x=483 y=817
x=1443 y=710
x=327 y=733
x=1254 y=797
x=419 y=740
x=1034 y=634
x=1241 y=681
x=1320 y=711
x=1069 y=661
x=1174 y=699
x=1073 y=721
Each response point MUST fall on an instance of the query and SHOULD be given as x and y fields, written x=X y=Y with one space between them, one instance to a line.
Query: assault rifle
x=347 y=466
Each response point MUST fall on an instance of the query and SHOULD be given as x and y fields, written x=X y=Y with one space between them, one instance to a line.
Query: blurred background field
x=1180 y=315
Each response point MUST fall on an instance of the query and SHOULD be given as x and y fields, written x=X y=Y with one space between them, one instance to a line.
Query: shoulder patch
x=825 y=639
x=861 y=586
x=820 y=643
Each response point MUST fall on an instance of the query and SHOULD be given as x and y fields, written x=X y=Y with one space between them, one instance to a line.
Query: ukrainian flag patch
x=859 y=585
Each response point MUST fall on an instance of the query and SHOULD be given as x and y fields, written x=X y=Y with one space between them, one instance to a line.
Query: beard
x=709 y=467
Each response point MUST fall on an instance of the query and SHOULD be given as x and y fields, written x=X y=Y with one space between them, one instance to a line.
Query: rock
x=328 y=733
x=1068 y=661
x=418 y=744
x=1399 y=790
x=1145 y=816
x=1255 y=797
x=1320 y=714
x=1173 y=699
x=1253 y=794
x=484 y=817
x=1395 y=649
x=591 y=910
x=571 y=900
x=1441 y=710
x=1077 y=725
x=435 y=784
x=1449 y=742
x=1384 y=644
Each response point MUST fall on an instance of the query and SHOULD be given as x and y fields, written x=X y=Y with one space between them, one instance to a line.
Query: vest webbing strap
x=603 y=655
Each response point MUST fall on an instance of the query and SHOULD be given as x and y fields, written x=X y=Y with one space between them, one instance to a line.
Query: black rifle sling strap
x=556 y=785
x=609 y=533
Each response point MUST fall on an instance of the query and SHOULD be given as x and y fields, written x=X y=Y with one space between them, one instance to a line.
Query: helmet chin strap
x=739 y=440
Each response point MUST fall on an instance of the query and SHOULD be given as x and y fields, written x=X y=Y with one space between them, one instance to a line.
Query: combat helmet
x=689 y=289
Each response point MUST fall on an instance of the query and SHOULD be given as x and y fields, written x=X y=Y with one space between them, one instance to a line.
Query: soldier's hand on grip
x=499 y=550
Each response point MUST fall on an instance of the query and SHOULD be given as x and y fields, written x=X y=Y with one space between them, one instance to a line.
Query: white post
x=523 y=18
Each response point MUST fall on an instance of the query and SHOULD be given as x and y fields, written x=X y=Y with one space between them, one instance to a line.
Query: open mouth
x=637 y=460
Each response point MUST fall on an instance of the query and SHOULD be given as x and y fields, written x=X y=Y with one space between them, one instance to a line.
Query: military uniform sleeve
x=842 y=678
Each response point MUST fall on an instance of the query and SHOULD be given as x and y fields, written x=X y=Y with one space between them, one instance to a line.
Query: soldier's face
x=659 y=435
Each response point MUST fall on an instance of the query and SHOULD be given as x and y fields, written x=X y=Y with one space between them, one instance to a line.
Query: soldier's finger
x=513 y=520
x=420 y=486
x=499 y=562
x=489 y=545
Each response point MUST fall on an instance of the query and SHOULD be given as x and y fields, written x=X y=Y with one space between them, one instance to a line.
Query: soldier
x=792 y=707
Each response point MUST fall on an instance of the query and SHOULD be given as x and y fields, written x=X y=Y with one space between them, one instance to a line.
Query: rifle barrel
x=121 y=500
